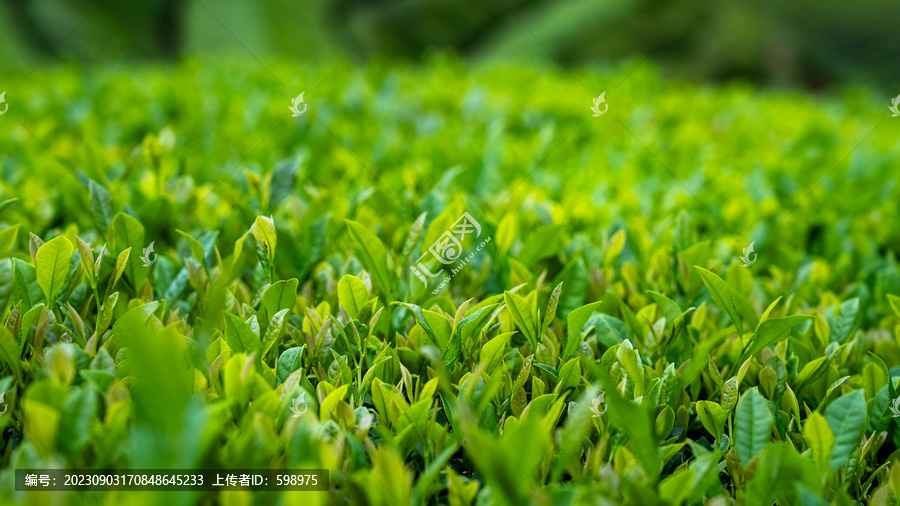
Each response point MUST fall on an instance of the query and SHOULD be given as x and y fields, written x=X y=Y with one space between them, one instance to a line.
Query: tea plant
x=182 y=261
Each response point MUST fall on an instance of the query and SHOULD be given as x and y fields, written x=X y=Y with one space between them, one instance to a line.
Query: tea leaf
x=610 y=330
x=753 y=426
x=196 y=248
x=723 y=296
x=127 y=233
x=52 y=264
x=352 y=294
x=520 y=310
x=771 y=332
x=279 y=295
x=847 y=418
x=820 y=439
x=712 y=416
x=551 y=309
x=8 y=239
x=372 y=254
x=239 y=336
x=10 y=352
x=574 y=324
x=101 y=206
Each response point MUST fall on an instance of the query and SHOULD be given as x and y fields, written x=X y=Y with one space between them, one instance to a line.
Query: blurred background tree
x=773 y=42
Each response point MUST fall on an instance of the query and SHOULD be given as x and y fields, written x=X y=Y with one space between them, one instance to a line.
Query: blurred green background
x=803 y=43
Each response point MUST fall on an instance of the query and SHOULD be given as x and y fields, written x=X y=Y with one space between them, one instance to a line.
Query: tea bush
x=182 y=261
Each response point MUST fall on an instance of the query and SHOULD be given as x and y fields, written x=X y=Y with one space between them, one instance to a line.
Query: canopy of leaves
x=196 y=260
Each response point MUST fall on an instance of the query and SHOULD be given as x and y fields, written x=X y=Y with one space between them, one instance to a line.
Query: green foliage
x=596 y=272
x=52 y=264
x=753 y=426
